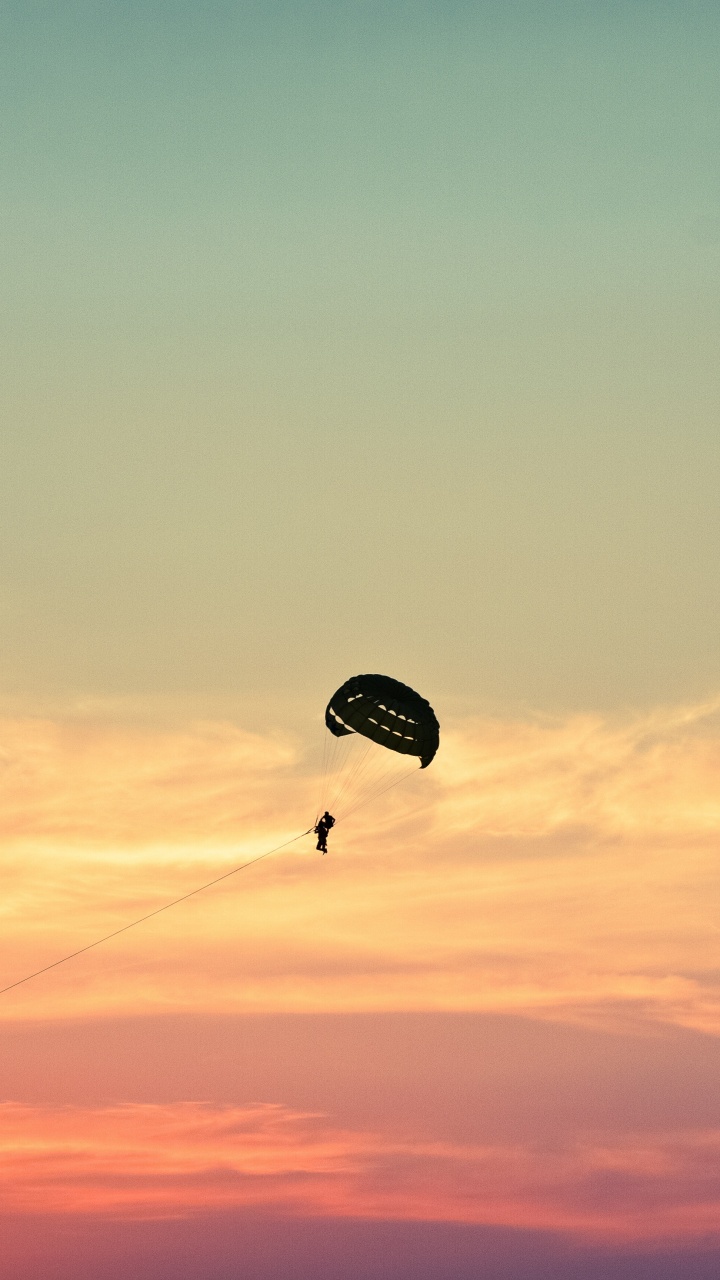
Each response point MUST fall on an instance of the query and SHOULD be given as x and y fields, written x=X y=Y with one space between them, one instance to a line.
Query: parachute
x=383 y=720
x=388 y=712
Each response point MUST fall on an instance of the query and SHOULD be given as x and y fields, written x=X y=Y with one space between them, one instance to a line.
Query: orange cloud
x=559 y=868
x=81 y=781
x=154 y=1161
x=652 y=777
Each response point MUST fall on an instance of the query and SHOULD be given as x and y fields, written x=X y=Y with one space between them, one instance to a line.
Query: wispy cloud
x=564 y=868
x=84 y=781
x=651 y=776
x=145 y=1161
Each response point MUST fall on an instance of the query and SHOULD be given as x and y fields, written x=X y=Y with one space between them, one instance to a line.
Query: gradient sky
x=345 y=337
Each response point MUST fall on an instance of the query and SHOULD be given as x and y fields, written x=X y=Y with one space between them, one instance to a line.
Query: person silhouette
x=321 y=830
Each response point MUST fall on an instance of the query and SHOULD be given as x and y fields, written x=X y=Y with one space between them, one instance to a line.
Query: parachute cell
x=388 y=713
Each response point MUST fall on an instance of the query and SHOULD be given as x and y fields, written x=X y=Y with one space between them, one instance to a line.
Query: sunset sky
x=357 y=337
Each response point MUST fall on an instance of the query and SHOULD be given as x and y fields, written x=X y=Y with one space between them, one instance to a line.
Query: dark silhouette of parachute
x=388 y=712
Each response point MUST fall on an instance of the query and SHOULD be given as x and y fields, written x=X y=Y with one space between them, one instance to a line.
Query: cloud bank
x=560 y=868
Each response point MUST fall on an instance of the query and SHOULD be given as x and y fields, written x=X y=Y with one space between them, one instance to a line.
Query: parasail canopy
x=387 y=712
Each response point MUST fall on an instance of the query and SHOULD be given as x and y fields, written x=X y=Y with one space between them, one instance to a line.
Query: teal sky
x=354 y=336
